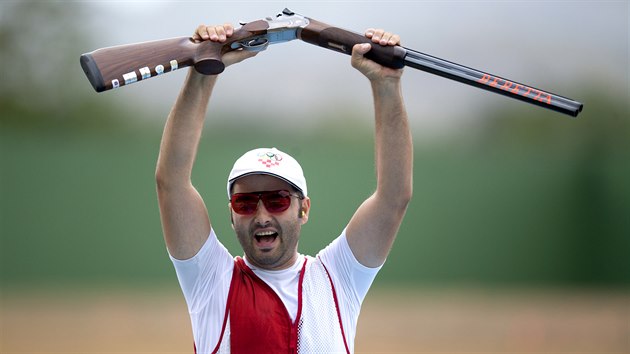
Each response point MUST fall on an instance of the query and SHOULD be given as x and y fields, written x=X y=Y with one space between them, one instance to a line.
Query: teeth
x=266 y=233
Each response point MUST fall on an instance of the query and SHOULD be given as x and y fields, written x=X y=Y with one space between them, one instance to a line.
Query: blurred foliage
x=37 y=39
x=528 y=197
x=42 y=85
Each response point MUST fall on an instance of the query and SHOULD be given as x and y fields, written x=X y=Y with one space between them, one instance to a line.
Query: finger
x=202 y=32
x=229 y=29
x=220 y=30
x=394 y=40
x=369 y=32
x=378 y=33
x=389 y=39
x=211 y=34
x=360 y=49
x=385 y=38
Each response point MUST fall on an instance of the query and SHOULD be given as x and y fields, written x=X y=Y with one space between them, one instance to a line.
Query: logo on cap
x=269 y=158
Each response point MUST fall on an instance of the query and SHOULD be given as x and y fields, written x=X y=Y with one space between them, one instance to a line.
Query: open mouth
x=265 y=238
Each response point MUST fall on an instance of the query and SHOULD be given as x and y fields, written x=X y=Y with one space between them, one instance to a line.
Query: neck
x=281 y=265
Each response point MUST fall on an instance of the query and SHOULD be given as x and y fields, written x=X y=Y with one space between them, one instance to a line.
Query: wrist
x=196 y=76
x=386 y=84
x=200 y=81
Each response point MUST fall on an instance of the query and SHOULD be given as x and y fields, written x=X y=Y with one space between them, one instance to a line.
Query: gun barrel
x=491 y=82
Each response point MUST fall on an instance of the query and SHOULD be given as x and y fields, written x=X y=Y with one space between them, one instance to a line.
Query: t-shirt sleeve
x=205 y=282
x=351 y=278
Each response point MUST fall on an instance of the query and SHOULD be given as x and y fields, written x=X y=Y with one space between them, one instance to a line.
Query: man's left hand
x=372 y=70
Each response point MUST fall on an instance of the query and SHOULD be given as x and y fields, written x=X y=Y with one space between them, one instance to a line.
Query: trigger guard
x=253 y=45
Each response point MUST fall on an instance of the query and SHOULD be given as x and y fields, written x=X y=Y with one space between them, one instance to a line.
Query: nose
x=262 y=216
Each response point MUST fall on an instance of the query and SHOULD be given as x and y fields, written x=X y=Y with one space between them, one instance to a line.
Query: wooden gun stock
x=112 y=67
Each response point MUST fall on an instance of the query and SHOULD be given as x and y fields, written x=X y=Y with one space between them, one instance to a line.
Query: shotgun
x=112 y=67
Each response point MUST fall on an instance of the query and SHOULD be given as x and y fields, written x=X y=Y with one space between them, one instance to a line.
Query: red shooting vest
x=259 y=321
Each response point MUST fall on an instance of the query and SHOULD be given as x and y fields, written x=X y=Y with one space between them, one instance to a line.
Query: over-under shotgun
x=112 y=67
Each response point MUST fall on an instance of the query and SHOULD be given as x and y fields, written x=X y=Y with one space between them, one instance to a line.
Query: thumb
x=358 y=50
x=236 y=56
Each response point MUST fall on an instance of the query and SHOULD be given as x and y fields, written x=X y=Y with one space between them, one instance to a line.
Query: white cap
x=273 y=162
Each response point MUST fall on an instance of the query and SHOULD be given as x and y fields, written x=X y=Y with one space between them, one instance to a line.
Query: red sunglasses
x=274 y=201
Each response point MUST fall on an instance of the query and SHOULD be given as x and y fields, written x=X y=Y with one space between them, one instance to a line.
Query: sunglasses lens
x=244 y=203
x=274 y=202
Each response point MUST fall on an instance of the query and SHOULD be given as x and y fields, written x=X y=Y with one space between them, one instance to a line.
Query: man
x=274 y=299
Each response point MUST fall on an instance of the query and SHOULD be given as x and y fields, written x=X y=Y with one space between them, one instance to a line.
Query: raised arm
x=373 y=228
x=185 y=221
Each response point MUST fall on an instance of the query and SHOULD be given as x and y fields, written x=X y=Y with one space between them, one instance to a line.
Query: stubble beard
x=277 y=258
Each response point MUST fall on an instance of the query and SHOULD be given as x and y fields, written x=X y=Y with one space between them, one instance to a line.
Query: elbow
x=171 y=176
x=163 y=180
x=407 y=195
x=398 y=200
x=404 y=198
x=169 y=179
x=160 y=178
x=404 y=192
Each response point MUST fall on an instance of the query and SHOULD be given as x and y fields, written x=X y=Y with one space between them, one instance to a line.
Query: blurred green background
x=522 y=197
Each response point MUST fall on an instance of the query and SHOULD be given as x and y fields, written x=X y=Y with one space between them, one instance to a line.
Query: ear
x=304 y=210
x=231 y=215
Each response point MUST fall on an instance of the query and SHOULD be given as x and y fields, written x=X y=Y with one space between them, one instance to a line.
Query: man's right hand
x=220 y=34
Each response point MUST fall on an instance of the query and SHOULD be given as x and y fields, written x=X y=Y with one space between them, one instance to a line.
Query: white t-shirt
x=205 y=281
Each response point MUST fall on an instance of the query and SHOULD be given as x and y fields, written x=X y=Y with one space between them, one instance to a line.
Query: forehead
x=259 y=183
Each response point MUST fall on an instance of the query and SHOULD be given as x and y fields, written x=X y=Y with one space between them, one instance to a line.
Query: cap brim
x=231 y=181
